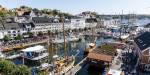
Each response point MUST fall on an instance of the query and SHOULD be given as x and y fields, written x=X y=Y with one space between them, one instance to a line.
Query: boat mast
x=62 y=18
x=121 y=17
x=50 y=46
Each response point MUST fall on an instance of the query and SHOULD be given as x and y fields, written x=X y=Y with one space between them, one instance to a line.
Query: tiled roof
x=143 y=41
x=9 y=26
x=101 y=57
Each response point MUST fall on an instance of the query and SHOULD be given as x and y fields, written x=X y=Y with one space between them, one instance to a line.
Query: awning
x=101 y=57
x=37 y=48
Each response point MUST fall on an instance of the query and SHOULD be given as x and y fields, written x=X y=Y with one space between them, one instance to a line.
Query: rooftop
x=103 y=53
x=41 y=20
x=101 y=57
x=143 y=41
x=10 y=26
x=107 y=49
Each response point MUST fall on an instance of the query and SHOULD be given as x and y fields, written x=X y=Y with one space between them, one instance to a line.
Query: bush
x=9 y=68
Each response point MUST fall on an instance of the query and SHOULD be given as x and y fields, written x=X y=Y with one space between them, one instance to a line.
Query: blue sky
x=77 y=6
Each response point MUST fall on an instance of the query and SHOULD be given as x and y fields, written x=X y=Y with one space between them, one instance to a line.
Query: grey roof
x=143 y=41
x=90 y=20
x=41 y=20
x=11 y=26
x=48 y=20
x=23 y=25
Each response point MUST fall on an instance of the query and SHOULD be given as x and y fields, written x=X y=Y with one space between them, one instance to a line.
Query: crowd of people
x=24 y=41
x=129 y=59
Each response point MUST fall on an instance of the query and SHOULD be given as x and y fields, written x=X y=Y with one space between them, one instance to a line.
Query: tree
x=55 y=12
x=2 y=17
x=40 y=33
x=6 y=38
x=21 y=70
x=85 y=29
x=7 y=67
x=19 y=37
x=30 y=34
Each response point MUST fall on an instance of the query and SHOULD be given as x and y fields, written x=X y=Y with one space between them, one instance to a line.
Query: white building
x=77 y=23
x=12 y=29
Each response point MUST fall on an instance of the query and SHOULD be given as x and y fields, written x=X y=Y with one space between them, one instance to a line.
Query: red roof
x=101 y=57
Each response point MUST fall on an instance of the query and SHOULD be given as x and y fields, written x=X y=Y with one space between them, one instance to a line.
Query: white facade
x=2 y=34
x=111 y=22
x=20 y=19
x=77 y=23
x=90 y=25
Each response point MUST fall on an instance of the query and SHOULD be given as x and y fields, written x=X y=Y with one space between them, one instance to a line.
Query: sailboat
x=62 y=65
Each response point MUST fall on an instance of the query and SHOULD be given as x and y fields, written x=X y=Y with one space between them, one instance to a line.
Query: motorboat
x=90 y=47
x=35 y=55
x=73 y=38
x=58 y=40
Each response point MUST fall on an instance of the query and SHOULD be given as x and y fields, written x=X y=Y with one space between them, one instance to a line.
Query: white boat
x=58 y=40
x=73 y=38
x=124 y=36
x=13 y=56
x=89 y=47
x=35 y=53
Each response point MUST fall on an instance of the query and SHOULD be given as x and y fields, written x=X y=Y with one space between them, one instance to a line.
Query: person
x=70 y=72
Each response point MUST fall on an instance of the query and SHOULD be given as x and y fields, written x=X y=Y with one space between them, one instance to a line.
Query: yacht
x=34 y=56
x=89 y=47
x=58 y=40
x=73 y=38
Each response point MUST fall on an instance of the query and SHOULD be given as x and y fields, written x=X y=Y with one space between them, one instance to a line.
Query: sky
x=78 y=6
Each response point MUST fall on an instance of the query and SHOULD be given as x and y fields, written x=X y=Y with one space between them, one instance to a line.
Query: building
x=41 y=24
x=13 y=29
x=90 y=22
x=142 y=44
x=2 y=31
x=77 y=23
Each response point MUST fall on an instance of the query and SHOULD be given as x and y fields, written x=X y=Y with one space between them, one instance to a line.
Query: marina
x=52 y=42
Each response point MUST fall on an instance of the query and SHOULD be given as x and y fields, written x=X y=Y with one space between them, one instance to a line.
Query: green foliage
x=55 y=12
x=19 y=37
x=6 y=38
x=40 y=33
x=9 y=68
x=6 y=67
x=22 y=70
x=30 y=34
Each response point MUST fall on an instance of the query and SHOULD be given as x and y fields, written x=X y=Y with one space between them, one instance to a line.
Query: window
x=14 y=35
x=18 y=31
x=9 y=31
x=14 y=32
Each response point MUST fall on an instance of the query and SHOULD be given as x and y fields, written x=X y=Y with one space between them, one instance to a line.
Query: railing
x=76 y=68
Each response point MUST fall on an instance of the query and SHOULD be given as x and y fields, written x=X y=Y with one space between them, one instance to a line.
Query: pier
x=22 y=45
x=76 y=68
